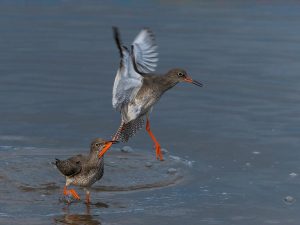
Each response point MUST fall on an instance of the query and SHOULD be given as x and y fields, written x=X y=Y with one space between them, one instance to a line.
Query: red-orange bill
x=190 y=80
x=107 y=146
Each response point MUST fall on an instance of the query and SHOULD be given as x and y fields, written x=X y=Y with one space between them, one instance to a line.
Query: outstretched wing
x=127 y=81
x=69 y=167
x=144 y=54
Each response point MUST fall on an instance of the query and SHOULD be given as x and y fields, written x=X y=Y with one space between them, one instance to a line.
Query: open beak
x=107 y=146
x=190 y=80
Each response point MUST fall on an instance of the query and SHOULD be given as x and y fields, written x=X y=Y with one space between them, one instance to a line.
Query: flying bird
x=137 y=88
x=84 y=170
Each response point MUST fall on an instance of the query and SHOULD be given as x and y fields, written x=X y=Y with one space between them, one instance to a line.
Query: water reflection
x=77 y=219
x=69 y=218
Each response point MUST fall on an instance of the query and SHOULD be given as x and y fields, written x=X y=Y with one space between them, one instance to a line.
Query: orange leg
x=71 y=192
x=157 y=145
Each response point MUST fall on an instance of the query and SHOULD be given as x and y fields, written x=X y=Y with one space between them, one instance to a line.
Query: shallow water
x=57 y=65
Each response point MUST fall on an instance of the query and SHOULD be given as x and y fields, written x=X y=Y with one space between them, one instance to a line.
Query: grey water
x=237 y=138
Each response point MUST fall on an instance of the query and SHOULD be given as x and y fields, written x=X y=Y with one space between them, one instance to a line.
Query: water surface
x=57 y=66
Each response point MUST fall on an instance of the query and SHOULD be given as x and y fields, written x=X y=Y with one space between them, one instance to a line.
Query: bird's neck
x=94 y=156
x=165 y=83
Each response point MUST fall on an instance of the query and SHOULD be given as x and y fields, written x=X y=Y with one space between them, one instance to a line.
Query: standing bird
x=84 y=170
x=136 y=88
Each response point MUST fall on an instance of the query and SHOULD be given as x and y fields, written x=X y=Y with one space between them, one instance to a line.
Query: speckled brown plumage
x=83 y=170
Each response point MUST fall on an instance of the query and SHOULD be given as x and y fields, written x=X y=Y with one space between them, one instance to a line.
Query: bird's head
x=180 y=75
x=101 y=146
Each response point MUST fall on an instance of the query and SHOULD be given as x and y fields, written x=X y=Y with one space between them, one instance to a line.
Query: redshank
x=84 y=170
x=136 y=88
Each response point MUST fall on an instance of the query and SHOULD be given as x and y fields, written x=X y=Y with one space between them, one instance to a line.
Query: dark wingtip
x=117 y=40
x=115 y=31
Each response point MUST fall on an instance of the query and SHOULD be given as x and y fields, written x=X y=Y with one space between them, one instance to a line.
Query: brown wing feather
x=71 y=166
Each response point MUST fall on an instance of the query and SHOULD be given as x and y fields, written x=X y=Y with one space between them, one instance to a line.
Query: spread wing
x=142 y=59
x=69 y=167
x=144 y=54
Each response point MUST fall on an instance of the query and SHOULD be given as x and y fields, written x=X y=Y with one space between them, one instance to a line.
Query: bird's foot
x=158 y=152
x=159 y=155
x=74 y=194
x=71 y=192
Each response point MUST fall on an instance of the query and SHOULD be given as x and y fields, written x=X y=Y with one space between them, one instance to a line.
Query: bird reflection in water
x=79 y=219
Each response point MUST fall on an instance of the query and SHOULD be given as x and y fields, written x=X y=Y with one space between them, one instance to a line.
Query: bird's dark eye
x=97 y=145
x=180 y=74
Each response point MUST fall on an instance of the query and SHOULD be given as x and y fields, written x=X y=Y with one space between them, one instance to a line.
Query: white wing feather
x=128 y=81
x=144 y=51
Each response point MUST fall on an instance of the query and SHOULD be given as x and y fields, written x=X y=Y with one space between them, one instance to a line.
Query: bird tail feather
x=128 y=130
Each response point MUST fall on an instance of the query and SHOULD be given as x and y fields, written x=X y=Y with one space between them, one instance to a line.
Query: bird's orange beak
x=190 y=80
x=107 y=146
